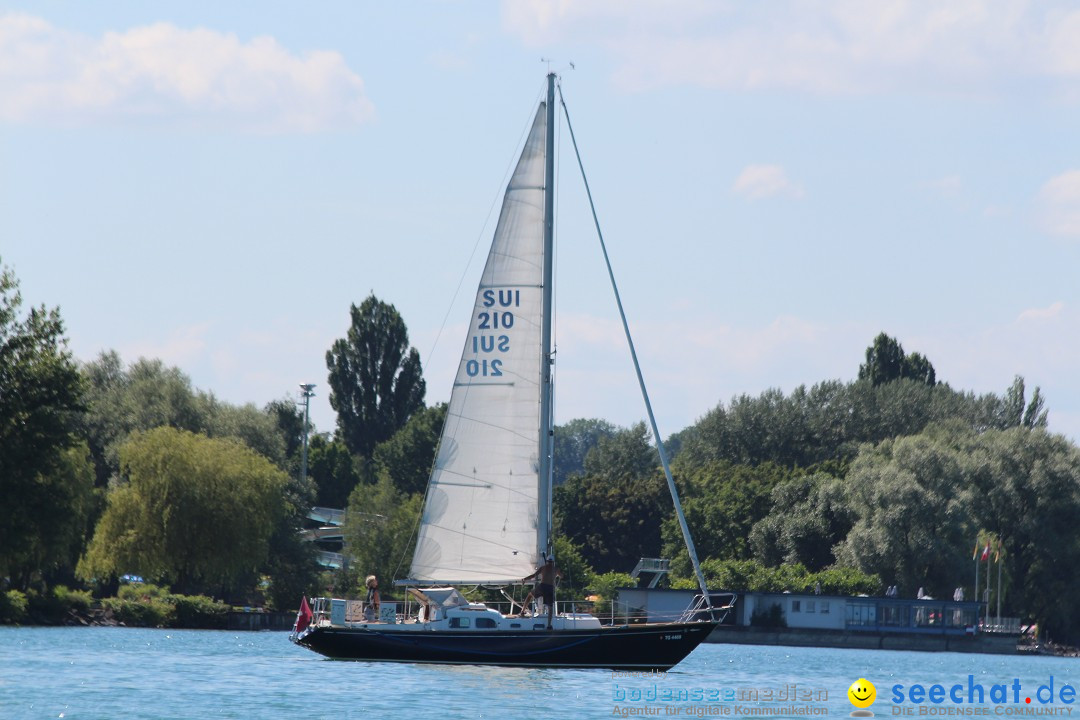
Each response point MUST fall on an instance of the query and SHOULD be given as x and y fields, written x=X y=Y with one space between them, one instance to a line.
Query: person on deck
x=371 y=604
x=546 y=576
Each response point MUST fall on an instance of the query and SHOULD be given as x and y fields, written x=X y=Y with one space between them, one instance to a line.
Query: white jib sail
x=479 y=523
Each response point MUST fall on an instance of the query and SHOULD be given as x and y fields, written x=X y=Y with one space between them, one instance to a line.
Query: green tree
x=290 y=567
x=290 y=422
x=1017 y=412
x=380 y=525
x=913 y=513
x=256 y=428
x=573 y=442
x=376 y=381
x=57 y=517
x=1025 y=489
x=335 y=471
x=40 y=398
x=624 y=455
x=614 y=511
x=721 y=502
x=576 y=573
x=148 y=394
x=407 y=456
x=886 y=361
x=140 y=397
x=751 y=575
x=809 y=515
x=194 y=511
x=830 y=421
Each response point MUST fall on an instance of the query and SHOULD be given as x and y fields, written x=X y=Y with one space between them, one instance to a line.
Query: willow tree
x=376 y=380
x=192 y=511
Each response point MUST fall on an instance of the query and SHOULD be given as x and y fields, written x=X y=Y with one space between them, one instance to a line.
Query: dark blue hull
x=628 y=647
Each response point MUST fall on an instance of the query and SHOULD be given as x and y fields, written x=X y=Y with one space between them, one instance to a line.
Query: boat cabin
x=442 y=609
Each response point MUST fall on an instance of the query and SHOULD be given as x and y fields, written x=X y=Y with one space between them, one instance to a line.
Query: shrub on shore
x=12 y=607
x=57 y=604
x=198 y=611
x=148 y=605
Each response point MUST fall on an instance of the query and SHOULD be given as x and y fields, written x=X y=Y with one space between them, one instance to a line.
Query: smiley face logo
x=862 y=694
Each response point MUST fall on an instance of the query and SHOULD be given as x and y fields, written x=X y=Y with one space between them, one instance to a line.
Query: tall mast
x=547 y=429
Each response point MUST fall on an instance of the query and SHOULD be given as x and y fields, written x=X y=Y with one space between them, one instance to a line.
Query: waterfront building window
x=809 y=606
x=861 y=614
x=795 y=605
x=824 y=607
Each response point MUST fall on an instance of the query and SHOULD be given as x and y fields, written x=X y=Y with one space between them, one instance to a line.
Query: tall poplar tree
x=886 y=361
x=376 y=381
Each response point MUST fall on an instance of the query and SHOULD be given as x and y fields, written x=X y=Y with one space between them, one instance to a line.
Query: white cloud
x=162 y=73
x=761 y=181
x=1037 y=314
x=819 y=46
x=1059 y=205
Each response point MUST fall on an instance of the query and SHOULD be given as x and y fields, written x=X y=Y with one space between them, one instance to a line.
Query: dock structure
x=329 y=531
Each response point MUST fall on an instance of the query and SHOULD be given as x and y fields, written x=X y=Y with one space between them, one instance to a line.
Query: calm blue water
x=99 y=673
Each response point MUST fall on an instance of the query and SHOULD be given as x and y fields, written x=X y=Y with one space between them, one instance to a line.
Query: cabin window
x=459 y=622
x=795 y=605
x=809 y=606
x=485 y=623
x=824 y=607
x=515 y=625
x=539 y=626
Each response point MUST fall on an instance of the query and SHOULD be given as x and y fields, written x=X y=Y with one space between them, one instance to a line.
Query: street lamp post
x=306 y=392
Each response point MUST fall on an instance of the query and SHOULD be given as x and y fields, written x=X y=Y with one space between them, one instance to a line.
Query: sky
x=213 y=184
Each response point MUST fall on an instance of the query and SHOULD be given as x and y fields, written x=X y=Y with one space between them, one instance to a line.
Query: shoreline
x=248 y=621
x=805 y=637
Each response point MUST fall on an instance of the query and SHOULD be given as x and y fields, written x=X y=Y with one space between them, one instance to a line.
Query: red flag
x=986 y=552
x=303 y=616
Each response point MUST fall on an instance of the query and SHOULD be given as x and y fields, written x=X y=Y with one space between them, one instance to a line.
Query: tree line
x=887 y=479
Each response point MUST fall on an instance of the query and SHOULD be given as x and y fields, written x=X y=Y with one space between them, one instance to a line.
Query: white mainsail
x=479 y=523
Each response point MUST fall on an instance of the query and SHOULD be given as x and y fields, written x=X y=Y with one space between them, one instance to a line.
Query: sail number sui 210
x=495 y=317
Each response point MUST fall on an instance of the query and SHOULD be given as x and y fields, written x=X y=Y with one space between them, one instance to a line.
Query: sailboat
x=487 y=511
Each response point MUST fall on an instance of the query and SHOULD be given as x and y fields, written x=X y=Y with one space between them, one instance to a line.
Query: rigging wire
x=637 y=367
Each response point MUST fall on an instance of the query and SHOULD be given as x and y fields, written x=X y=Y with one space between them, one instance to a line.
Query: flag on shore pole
x=975 y=554
x=986 y=552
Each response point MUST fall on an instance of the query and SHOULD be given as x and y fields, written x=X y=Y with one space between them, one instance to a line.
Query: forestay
x=479 y=523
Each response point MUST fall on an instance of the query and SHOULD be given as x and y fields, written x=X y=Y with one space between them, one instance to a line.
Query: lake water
x=107 y=673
